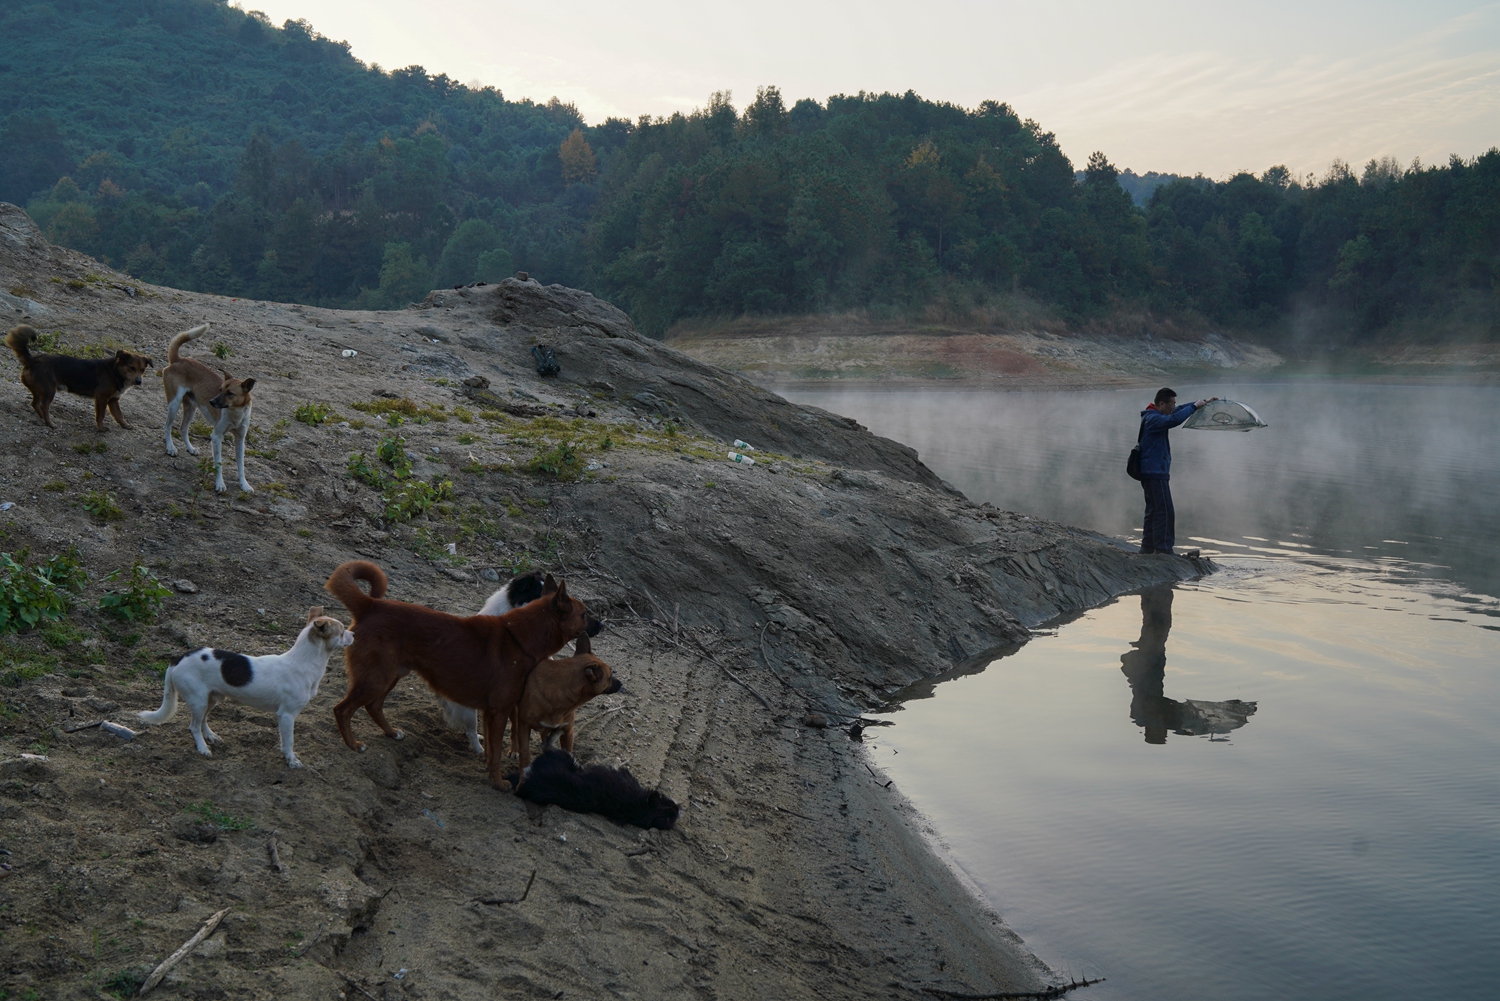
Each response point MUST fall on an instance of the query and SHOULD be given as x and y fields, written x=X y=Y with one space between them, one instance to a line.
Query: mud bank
x=835 y=571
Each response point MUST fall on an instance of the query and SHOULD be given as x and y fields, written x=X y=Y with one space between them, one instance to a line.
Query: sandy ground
x=738 y=599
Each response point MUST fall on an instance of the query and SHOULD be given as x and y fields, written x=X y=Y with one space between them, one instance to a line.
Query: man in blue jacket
x=1159 y=533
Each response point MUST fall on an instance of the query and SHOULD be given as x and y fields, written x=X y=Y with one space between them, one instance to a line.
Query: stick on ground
x=183 y=950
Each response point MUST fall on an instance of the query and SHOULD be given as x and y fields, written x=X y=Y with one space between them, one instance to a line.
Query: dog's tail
x=168 y=703
x=183 y=338
x=343 y=587
x=19 y=340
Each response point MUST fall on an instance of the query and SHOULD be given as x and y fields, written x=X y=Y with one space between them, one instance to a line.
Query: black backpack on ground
x=1133 y=464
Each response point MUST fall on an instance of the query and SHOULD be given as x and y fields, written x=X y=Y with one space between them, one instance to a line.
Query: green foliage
x=220 y=819
x=314 y=413
x=124 y=984
x=137 y=598
x=408 y=499
x=378 y=186
x=87 y=447
x=404 y=408
x=222 y=350
x=392 y=451
x=360 y=469
x=33 y=594
x=102 y=505
x=563 y=461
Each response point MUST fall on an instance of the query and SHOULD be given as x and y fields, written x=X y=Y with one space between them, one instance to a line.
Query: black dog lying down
x=555 y=777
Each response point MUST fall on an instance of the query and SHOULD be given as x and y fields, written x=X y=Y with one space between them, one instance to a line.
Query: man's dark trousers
x=1159 y=534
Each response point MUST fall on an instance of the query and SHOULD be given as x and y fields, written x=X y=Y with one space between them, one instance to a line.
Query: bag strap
x=1141 y=434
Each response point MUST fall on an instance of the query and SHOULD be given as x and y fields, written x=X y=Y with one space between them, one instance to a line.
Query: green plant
x=55 y=486
x=124 y=984
x=392 y=451
x=60 y=635
x=467 y=439
x=221 y=350
x=404 y=408
x=137 y=599
x=710 y=485
x=562 y=461
x=102 y=505
x=360 y=469
x=407 y=499
x=305 y=533
x=31 y=594
x=85 y=447
x=223 y=821
x=48 y=342
x=314 y=413
x=464 y=414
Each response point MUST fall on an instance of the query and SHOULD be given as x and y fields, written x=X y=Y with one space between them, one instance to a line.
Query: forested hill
x=196 y=145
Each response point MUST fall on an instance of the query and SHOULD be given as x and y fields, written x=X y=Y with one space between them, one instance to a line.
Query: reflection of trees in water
x=1145 y=667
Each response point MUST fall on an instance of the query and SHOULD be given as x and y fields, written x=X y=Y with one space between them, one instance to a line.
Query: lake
x=1277 y=781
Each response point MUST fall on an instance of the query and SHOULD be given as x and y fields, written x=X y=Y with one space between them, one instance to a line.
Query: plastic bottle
x=737 y=457
x=743 y=446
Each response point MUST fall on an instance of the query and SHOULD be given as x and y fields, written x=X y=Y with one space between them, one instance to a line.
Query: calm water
x=1278 y=781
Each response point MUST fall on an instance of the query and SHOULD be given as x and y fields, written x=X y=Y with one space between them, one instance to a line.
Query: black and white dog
x=555 y=777
x=283 y=683
x=522 y=590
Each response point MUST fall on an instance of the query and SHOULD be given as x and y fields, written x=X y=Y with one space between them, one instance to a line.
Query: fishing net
x=1224 y=415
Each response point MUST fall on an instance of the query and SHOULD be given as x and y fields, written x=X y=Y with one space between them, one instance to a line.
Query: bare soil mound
x=738 y=599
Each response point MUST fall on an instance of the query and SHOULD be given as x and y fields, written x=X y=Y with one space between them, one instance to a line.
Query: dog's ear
x=247 y=385
x=560 y=599
x=581 y=645
x=314 y=612
x=549 y=584
x=150 y=363
x=592 y=673
x=122 y=357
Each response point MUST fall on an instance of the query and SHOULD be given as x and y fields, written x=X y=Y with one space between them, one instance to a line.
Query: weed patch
x=223 y=821
x=33 y=594
x=137 y=599
x=403 y=408
x=315 y=413
x=102 y=505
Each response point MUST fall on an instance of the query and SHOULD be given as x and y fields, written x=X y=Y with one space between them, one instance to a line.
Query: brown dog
x=105 y=379
x=554 y=691
x=190 y=384
x=481 y=661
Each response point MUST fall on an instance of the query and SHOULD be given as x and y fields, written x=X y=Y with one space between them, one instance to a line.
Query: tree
x=577 y=159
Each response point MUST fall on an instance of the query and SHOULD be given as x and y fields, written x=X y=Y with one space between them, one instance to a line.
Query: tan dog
x=481 y=661
x=105 y=379
x=554 y=692
x=190 y=384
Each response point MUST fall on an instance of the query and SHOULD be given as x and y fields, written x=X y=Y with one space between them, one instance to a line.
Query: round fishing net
x=1224 y=415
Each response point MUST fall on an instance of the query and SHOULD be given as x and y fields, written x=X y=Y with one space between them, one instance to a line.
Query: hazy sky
x=1174 y=87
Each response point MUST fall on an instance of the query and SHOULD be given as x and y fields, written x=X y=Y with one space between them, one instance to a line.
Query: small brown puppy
x=105 y=379
x=190 y=384
x=554 y=691
x=480 y=661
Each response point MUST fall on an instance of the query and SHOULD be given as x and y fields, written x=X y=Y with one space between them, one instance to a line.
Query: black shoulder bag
x=1133 y=464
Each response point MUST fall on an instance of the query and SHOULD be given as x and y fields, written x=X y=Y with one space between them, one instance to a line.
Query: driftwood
x=275 y=855
x=1041 y=995
x=183 y=950
x=494 y=901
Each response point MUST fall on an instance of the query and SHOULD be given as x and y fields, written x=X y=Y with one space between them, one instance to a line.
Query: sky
x=1186 y=88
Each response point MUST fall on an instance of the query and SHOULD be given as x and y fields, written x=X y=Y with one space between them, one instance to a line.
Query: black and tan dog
x=105 y=379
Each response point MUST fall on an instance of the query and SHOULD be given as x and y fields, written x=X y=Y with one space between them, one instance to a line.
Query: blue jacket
x=1156 y=451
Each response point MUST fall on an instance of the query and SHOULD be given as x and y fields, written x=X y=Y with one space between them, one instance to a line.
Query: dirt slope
x=831 y=573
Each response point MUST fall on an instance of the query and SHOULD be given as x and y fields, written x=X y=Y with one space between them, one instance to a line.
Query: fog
x=1406 y=475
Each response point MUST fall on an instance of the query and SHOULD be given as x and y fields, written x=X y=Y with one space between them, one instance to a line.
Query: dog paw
x=247 y=488
x=219 y=487
x=293 y=762
x=192 y=450
x=503 y=786
x=398 y=735
x=172 y=451
x=206 y=753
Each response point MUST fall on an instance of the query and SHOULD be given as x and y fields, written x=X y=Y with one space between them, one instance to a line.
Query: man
x=1159 y=533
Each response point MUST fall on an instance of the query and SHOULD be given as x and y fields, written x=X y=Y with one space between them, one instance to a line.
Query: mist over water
x=1277 y=781
x=1345 y=469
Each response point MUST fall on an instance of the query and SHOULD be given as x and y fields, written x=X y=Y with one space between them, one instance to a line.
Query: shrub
x=392 y=451
x=32 y=594
x=314 y=413
x=562 y=461
x=138 y=599
x=419 y=414
x=221 y=350
x=360 y=469
x=407 y=499
x=102 y=505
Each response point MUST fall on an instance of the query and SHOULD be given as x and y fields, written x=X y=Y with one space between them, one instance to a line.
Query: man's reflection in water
x=1145 y=668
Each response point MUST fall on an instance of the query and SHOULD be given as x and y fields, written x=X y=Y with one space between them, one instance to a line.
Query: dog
x=480 y=661
x=521 y=590
x=283 y=683
x=105 y=379
x=556 y=778
x=190 y=384
x=554 y=692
